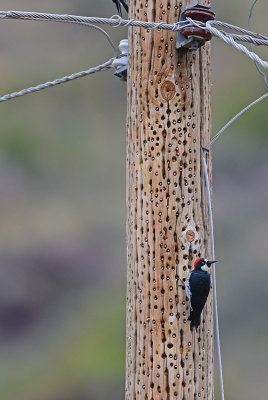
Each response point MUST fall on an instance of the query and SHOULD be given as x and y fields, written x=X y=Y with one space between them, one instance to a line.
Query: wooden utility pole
x=167 y=214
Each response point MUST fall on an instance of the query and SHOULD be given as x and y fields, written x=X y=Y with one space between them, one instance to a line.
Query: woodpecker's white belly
x=187 y=287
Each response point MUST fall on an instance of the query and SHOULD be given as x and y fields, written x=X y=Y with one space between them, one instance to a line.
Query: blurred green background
x=62 y=210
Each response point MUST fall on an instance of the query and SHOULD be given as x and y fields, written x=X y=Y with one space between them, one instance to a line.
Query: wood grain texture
x=167 y=214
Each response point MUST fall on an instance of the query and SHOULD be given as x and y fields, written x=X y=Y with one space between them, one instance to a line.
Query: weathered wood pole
x=167 y=215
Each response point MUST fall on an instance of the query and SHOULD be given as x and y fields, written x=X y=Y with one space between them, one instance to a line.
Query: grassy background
x=62 y=211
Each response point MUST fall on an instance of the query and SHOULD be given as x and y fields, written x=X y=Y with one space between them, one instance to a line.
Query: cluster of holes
x=168 y=152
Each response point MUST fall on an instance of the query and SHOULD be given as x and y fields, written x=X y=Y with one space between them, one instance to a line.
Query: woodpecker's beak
x=210 y=262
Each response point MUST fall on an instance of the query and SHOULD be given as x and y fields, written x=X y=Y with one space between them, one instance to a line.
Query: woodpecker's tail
x=195 y=319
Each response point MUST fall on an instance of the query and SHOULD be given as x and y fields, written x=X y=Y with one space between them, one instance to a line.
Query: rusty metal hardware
x=193 y=37
x=196 y=33
x=198 y=13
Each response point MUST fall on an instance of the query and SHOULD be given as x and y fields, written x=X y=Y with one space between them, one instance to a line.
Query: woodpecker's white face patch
x=205 y=267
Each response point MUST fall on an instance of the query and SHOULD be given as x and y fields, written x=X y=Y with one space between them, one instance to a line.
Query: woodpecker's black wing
x=118 y=6
x=199 y=284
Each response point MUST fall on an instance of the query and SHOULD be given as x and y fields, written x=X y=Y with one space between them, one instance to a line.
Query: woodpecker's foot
x=183 y=286
x=182 y=283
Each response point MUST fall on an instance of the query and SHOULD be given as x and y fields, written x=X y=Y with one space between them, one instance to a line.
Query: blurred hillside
x=62 y=210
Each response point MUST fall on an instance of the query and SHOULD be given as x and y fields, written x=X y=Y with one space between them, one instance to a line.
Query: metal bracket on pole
x=193 y=37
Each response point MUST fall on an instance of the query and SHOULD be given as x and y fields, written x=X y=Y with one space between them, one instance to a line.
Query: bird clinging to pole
x=197 y=289
x=118 y=4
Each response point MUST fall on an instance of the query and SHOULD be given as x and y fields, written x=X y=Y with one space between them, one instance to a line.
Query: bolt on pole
x=169 y=120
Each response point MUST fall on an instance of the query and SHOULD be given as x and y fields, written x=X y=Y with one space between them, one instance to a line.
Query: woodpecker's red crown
x=197 y=261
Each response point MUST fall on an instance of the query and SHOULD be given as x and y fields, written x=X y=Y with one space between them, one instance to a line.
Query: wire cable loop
x=115 y=20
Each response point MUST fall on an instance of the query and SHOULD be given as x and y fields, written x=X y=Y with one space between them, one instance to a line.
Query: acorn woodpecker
x=197 y=289
x=118 y=4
